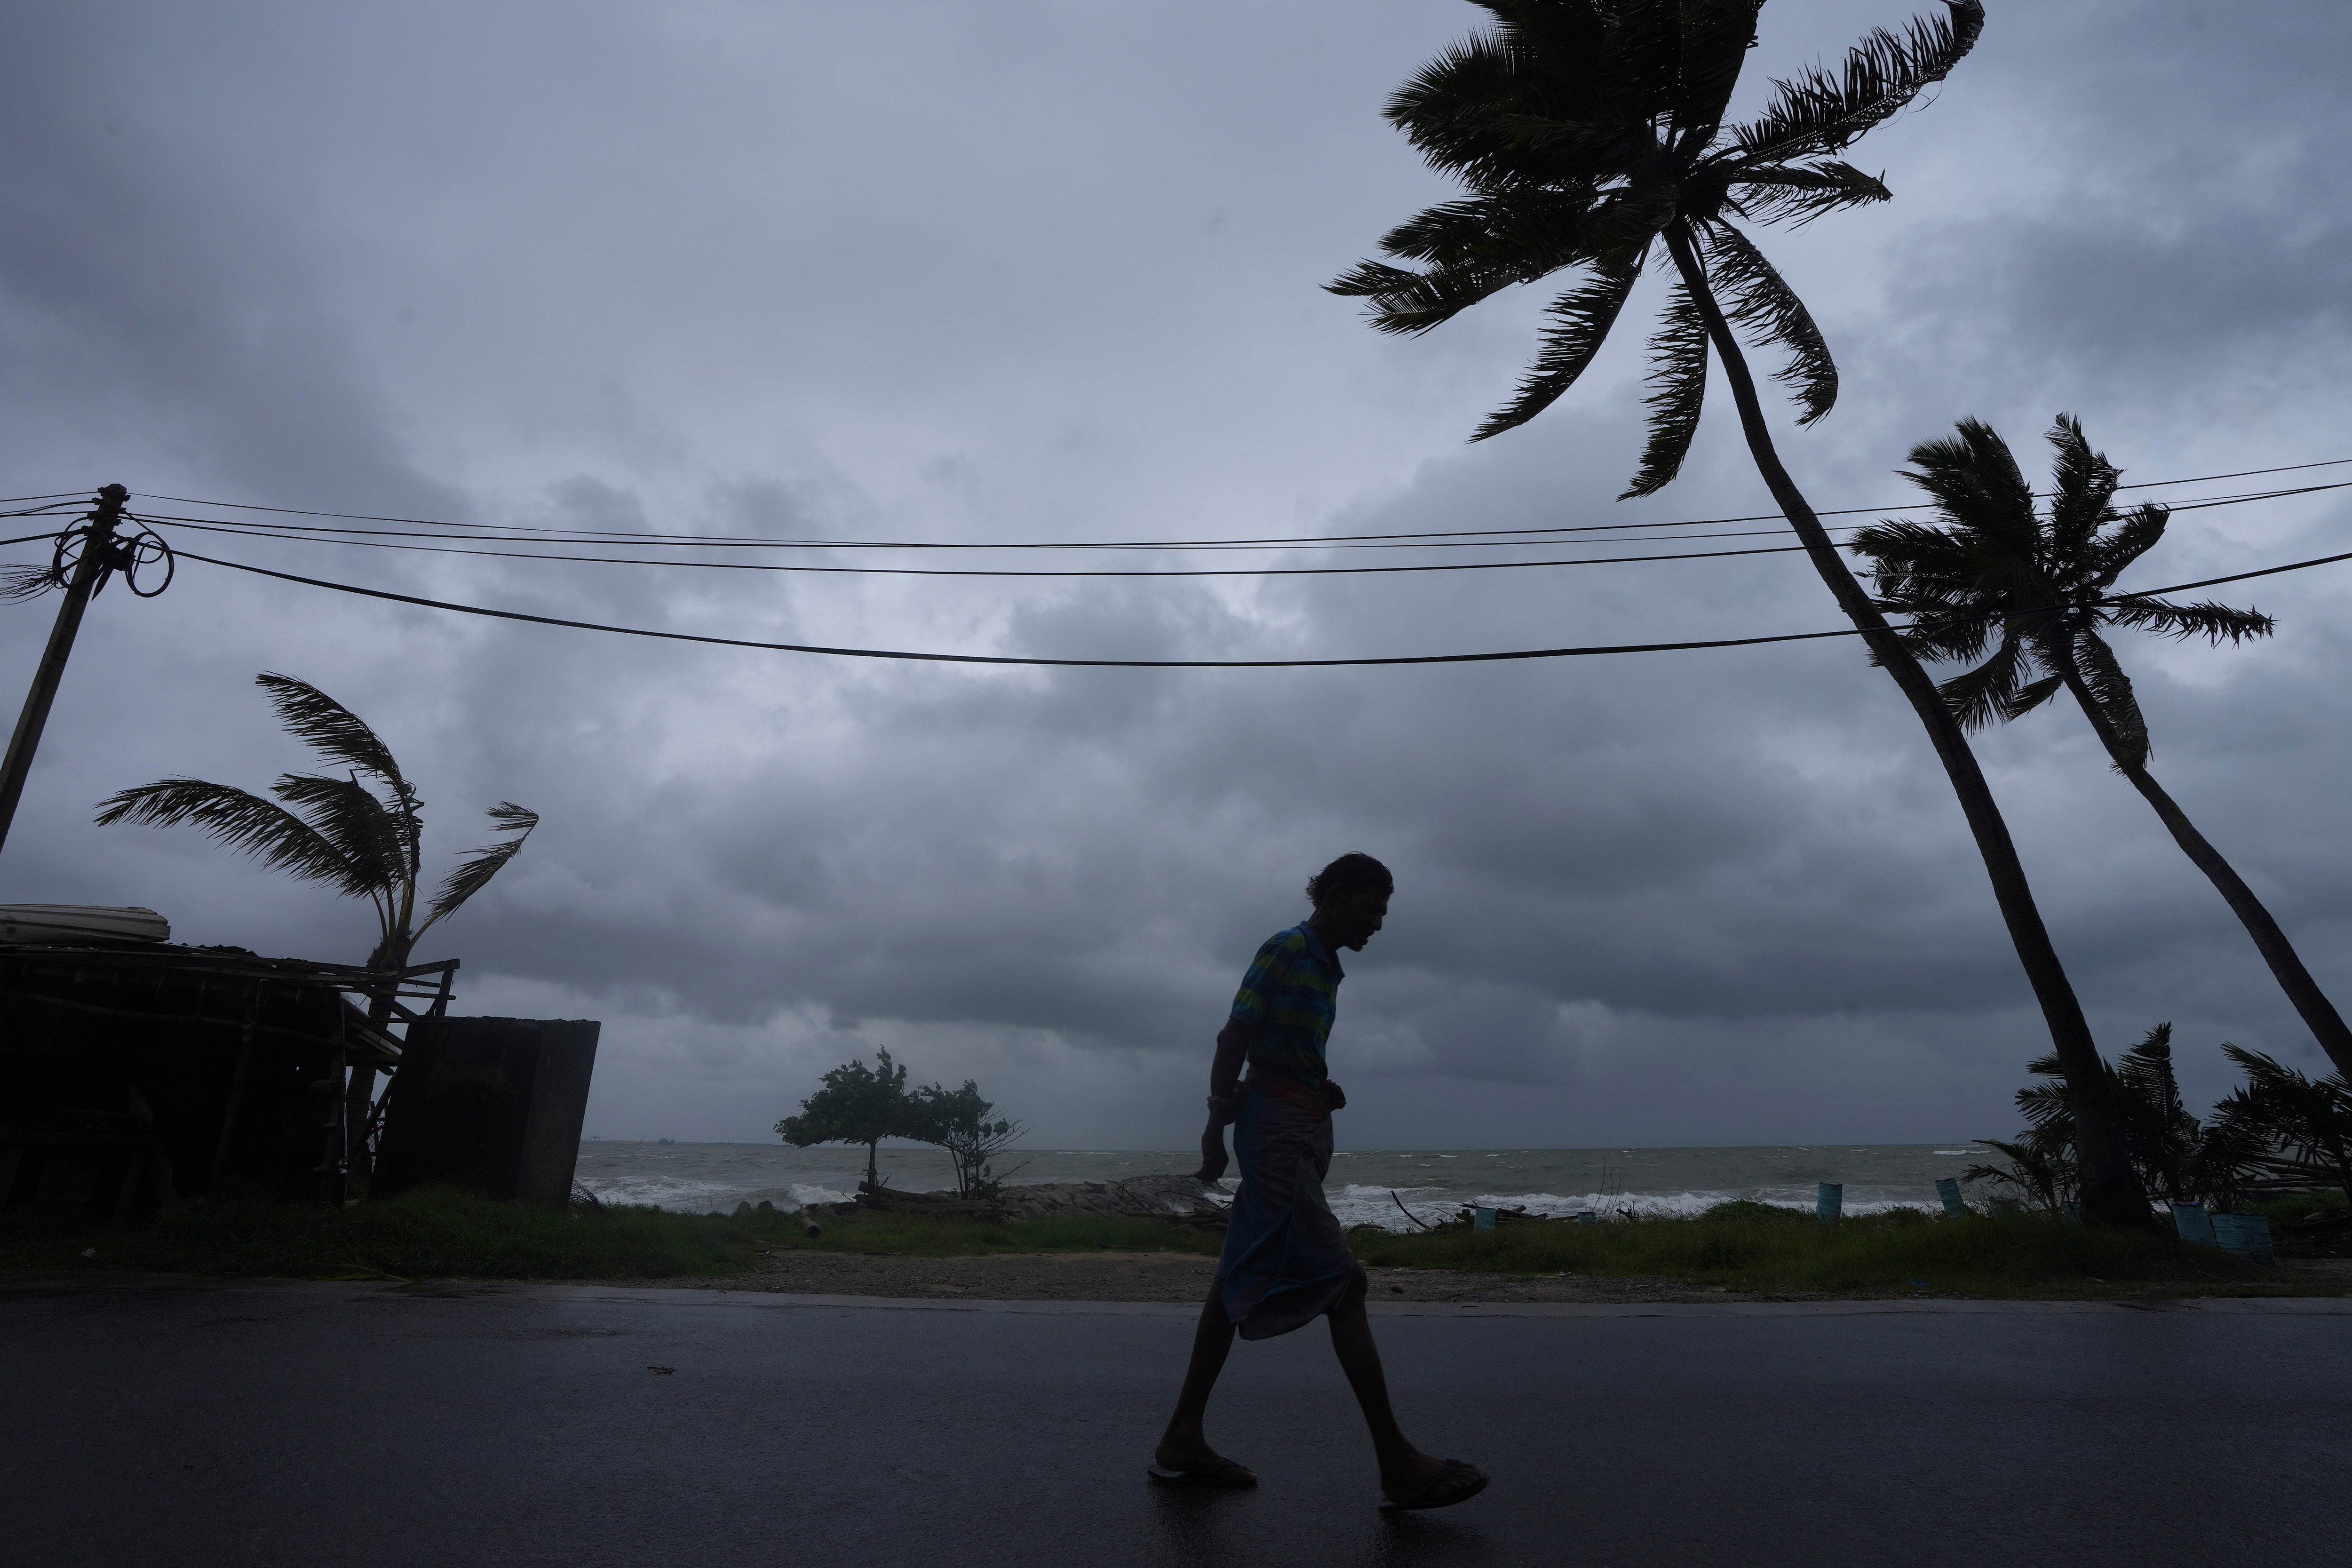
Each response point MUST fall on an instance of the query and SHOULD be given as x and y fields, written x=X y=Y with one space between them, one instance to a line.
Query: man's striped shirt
x=1290 y=996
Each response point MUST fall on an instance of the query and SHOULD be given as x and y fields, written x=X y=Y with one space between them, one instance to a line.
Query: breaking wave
x=1356 y=1205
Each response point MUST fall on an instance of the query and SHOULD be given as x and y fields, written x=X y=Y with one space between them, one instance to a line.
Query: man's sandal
x=1459 y=1481
x=1225 y=1474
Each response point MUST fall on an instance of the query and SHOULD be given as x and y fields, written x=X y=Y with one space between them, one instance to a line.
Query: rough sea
x=1432 y=1182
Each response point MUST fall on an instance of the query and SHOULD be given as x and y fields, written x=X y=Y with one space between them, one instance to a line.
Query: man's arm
x=1224 y=1095
x=1225 y=1070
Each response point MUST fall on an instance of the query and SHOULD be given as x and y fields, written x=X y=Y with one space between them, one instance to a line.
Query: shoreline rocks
x=1181 y=1200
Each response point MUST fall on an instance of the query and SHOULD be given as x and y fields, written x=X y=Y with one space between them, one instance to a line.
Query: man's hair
x=1353 y=872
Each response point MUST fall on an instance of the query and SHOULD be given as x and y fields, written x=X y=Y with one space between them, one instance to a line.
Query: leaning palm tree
x=1590 y=134
x=2028 y=595
x=367 y=842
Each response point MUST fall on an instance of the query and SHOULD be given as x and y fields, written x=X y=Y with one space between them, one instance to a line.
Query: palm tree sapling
x=2027 y=596
x=366 y=839
x=1590 y=136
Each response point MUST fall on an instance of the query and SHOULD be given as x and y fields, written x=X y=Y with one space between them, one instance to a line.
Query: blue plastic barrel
x=2192 y=1223
x=1829 y=1199
x=2246 y=1236
x=1948 y=1189
x=1586 y=1216
x=1481 y=1219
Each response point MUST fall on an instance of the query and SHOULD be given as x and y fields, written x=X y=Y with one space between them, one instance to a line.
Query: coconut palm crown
x=1589 y=132
x=2028 y=592
x=2026 y=596
x=367 y=842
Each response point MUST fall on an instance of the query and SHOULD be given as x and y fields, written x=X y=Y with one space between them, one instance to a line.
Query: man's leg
x=1183 y=1446
x=1403 y=1467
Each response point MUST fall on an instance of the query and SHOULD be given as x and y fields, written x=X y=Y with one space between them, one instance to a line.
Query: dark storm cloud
x=1049 y=271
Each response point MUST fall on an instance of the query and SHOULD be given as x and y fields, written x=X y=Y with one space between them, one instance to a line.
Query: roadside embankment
x=1737 y=1251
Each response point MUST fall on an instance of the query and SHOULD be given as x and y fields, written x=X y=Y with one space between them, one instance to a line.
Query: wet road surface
x=264 y=1425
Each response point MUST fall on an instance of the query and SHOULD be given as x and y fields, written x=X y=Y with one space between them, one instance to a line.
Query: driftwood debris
x=890 y=1199
x=1179 y=1200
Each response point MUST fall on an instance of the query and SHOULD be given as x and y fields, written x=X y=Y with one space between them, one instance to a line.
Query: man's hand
x=1338 y=1098
x=1225 y=1107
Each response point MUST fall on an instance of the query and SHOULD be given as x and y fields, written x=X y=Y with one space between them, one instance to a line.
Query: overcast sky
x=1042 y=271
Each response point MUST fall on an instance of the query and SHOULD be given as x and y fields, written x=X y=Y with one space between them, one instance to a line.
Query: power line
x=470 y=549
x=1268 y=542
x=901 y=655
x=978 y=571
x=525 y=535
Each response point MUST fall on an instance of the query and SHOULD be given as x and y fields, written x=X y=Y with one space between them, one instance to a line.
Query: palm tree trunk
x=359 y=1091
x=2318 y=1014
x=2112 y=1191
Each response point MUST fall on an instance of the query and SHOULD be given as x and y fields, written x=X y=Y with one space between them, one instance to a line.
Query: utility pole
x=89 y=570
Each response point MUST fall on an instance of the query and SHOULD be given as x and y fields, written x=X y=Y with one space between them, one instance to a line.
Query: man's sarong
x=1285 y=1260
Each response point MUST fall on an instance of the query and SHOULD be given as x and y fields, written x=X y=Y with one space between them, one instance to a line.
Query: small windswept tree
x=959 y=1121
x=857 y=1104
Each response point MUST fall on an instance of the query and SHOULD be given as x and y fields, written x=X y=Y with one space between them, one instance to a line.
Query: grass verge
x=1778 y=1251
x=446 y=1233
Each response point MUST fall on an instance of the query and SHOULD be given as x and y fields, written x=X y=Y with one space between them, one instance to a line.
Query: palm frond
x=1521 y=234
x=1923 y=549
x=2048 y=1108
x=2215 y=623
x=1928 y=573
x=1641 y=58
x=1678 y=351
x=1982 y=696
x=1974 y=480
x=2033 y=695
x=1581 y=319
x=1474 y=248
x=1715 y=40
x=472 y=875
x=1407 y=302
x=2082 y=487
x=282 y=841
x=1465 y=111
x=2105 y=557
x=2147 y=1066
x=2111 y=690
x=336 y=732
x=1568 y=153
x=1797 y=194
x=1767 y=312
x=1818 y=113
x=371 y=838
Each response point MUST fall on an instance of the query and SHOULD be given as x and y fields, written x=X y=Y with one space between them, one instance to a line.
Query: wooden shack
x=136 y=1076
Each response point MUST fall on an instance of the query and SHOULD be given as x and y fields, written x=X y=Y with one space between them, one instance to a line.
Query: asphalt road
x=258 y=1426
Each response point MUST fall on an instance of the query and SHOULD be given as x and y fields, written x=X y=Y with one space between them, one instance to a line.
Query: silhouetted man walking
x=1286 y=1260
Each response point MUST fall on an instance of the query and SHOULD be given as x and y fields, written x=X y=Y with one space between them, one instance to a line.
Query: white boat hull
x=70 y=925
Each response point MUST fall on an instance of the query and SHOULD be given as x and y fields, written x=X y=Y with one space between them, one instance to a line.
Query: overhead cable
x=1164 y=544
x=831 y=570
x=801 y=567
x=901 y=655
